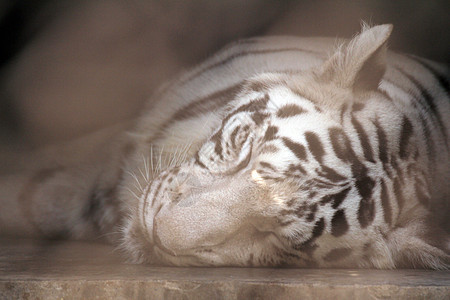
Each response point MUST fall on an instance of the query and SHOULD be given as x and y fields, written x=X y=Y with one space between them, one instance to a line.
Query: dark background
x=69 y=67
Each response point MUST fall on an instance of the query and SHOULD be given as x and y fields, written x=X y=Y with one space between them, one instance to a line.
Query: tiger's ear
x=360 y=64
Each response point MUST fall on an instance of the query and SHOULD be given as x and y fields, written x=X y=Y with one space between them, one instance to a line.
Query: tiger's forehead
x=270 y=100
x=286 y=102
x=287 y=110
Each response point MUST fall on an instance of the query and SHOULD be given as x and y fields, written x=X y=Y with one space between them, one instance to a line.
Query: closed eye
x=243 y=163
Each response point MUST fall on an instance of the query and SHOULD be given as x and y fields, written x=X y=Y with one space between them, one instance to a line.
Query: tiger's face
x=287 y=176
x=251 y=194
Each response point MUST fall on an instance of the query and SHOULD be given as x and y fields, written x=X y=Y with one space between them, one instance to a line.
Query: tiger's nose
x=191 y=223
x=202 y=219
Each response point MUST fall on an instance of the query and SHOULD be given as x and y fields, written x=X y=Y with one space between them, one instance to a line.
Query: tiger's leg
x=64 y=191
x=419 y=244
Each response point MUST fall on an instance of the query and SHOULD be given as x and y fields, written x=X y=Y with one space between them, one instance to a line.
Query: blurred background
x=68 y=67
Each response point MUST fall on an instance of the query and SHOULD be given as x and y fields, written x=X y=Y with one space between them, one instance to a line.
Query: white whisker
x=135 y=179
x=151 y=158
x=146 y=169
x=142 y=174
x=133 y=193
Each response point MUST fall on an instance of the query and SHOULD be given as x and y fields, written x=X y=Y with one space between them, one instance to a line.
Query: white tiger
x=273 y=152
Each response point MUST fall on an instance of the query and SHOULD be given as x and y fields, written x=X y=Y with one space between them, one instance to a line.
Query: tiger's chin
x=236 y=250
x=208 y=224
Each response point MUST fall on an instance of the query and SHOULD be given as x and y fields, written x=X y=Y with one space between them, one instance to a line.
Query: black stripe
x=386 y=203
x=331 y=174
x=300 y=210
x=285 y=253
x=318 y=229
x=292 y=168
x=93 y=205
x=257 y=85
x=291 y=202
x=267 y=165
x=396 y=167
x=382 y=144
x=405 y=135
x=198 y=162
x=290 y=110
x=337 y=254
x=233 y=137
x=277 y=179
x=271 y=133
x=335 y=199
x=365 y=186
x=285 y=223
x=363 y=183
x=312 y=213
x=241 y=165
x=431 y=151
x=366 y=212
x=99 y=198
x=441 y=78
x=259 y=117
x=244 y=53
x=206 y=104
x=358 y=106
x=308 y=246
x=339 y=224
x=315 y=146
x=422 y=111
x=158 y=188
x=237 y=140
x=298 y=149
x=268 y=149
x=425 y=95
x=320 y=183
x=343 y=109
x=217 y=140
x=398 y=194
x=253 y=106
x=385 y=94
x=416 y=102
x=340 y=144
x=365 y=142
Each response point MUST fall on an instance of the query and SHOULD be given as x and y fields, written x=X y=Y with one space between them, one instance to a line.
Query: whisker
x=136 y=179
x=146 y=169
x=159 y=167
x=172 y=157
x=142 y=174
x=151 y=158
x=133 y=193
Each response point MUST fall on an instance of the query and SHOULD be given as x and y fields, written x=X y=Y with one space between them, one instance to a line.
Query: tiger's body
x=273 y=152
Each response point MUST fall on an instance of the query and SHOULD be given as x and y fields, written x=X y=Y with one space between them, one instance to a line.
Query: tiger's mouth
x=200 y=217
x=158 y=243
x=238 y=248
x=199 y=256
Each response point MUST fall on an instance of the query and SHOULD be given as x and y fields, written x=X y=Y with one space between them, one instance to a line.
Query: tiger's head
x=267 y=183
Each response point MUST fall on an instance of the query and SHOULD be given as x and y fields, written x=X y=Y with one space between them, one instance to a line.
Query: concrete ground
x=77 y=270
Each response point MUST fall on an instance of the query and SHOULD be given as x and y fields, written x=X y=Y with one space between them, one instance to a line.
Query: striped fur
x=272 y=152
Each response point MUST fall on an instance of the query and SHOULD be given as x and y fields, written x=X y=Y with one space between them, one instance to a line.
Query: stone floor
x=76 y=270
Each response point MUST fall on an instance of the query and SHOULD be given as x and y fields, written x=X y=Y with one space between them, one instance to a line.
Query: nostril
x=176 y=198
